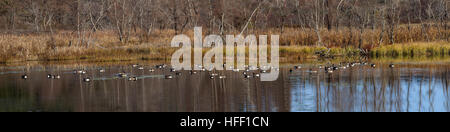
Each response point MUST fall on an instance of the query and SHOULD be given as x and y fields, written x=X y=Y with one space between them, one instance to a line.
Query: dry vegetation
x=115 y=30
x=46 y=47
x=296 y=44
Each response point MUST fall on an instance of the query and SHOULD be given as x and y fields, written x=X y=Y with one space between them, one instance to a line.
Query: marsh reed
x=295 y=43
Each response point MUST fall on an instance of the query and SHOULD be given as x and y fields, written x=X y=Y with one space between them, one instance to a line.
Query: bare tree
x=317 y=21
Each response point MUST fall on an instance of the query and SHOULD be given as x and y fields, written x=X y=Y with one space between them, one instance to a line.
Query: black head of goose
x=169 y=77
x=392 y=66
x=335 y=68
x=25 y=76
x=247 y=76
x=192 y=72
x=87 y=79
x=122 y=75
x=257 y=75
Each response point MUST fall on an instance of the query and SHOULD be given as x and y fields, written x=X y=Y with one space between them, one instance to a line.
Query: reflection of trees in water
x=381 y=89
x=409 y=88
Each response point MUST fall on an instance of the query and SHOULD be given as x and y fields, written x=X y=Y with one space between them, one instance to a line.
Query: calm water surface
x=405 y=88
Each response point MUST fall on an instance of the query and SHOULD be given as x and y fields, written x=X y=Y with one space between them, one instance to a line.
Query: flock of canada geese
x=213 y=75
x=333 y=67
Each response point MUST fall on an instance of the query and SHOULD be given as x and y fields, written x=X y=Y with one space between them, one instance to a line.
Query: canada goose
x=169 y=77
x=290 y=70
x=79 y=72
x=256 y=75
x=122 y=75
x=87 y=79
x=162 y=66
x=198 y=66
x=247 y=76
x=24 y=76
x=335 y=68
x=214 y=74
x=178 y=73
x=50 y=76
x=392 y=66
x=313 y=71
x=373 y=65
x=192 y=72
x=132 y=79
x=328 y=68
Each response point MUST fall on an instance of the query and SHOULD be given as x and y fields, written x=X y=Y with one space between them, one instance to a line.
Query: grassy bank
x=412 y=50
x=104 y=46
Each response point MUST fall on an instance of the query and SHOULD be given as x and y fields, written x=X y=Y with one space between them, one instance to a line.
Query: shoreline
x=287 y=53
x=283 y=61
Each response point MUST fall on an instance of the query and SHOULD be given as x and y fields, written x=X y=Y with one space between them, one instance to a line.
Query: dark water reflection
x=406 y=88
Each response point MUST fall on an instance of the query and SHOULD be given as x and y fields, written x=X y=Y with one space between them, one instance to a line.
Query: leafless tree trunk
x=328 y=16
x=80 y=41
x=316 y=17
x=250 y=19
x=35 y=10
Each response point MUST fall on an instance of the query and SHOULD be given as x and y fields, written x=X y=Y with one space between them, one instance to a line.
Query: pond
x=407 y=87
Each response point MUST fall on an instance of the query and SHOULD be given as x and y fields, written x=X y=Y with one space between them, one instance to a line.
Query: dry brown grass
x=413 y=49
x=105 y=45
x=369 y=38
